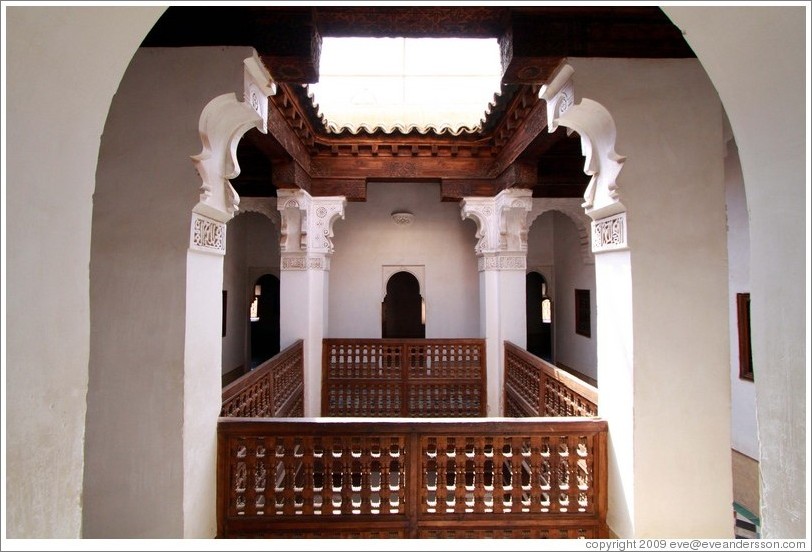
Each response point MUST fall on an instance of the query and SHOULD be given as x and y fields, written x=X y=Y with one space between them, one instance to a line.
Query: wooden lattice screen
x=535 y=478
x=409 y=378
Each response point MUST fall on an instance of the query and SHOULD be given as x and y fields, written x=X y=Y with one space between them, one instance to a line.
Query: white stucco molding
x=501 y=228
x=596 y=127
x=223 y=122
x=570 y=207
x=258 y=86
x=262 y=205
x=307 y=228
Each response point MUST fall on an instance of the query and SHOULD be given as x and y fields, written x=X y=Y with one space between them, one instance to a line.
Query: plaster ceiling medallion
x=402 y=217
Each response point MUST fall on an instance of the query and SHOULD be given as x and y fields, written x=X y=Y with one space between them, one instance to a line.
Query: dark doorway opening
x=265 y=320
x=402 y=311
x=539 y=317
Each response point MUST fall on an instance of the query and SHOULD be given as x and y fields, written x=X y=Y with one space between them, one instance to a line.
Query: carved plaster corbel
x=596 y=127
x=223 y=122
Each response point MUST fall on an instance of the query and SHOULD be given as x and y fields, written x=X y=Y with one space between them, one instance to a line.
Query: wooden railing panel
x=534 y=387
x=408 y=378
x=275 y=388
x=537 y=478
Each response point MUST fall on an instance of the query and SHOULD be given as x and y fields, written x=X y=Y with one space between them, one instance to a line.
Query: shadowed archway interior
x=402 y=308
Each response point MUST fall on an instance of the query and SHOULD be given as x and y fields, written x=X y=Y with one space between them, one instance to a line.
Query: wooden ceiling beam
x=401 y=167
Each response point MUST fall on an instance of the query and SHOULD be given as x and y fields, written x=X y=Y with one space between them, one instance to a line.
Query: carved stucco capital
x=596 y=127
x=501 y=222
x=307 y=222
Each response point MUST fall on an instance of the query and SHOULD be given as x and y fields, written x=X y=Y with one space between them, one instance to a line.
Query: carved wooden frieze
x=413 y=21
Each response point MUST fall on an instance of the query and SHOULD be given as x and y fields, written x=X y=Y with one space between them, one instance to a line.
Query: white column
x=306 y=229
x=502 y=251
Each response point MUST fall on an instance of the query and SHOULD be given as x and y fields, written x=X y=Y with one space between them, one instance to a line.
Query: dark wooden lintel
x=518 y=175
x=354 y=189
x=289 y=174
x=456 y=189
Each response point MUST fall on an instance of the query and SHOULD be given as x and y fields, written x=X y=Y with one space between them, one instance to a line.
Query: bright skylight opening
x=406 y=82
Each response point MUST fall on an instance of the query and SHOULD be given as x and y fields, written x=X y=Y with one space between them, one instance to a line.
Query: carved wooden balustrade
x=410 y=378
x=275 y=388
x=394 y=478
x=534 y=387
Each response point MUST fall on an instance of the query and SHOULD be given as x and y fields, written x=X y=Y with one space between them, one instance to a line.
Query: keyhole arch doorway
x=403 y=313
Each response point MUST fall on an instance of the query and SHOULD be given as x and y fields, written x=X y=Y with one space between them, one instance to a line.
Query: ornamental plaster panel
x=609 y=234
x=207 y=235
x=596 y=127
x=303 y=261
x=501 y=262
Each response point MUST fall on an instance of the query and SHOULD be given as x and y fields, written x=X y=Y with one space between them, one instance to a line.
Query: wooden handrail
x=275 y=388
x=331 y=477
x=534 y=387
x=404 y=377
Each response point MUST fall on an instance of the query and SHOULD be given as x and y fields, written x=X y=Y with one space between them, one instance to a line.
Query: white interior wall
x=261 y=245
x=540 y=241
x=153 y=402
x=574 y=350
x=758 y=60
x=58 y=84
x=368 y=238
x=744 y=430
x=669 y=124
x=235 y=283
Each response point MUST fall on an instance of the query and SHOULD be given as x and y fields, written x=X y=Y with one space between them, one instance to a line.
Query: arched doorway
x=264 y=317
x=402 y=310
x=539 y=317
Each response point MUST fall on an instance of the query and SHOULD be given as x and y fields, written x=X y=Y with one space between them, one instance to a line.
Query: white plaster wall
x=540 y=241
x=744 y=430
x=571 y=273
x=153 y=400
x=669 y=124
x=202 y=395
x=368 y=239
x=261 y=245
x=235 y=283
x=57 y=90
x=758 y=60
